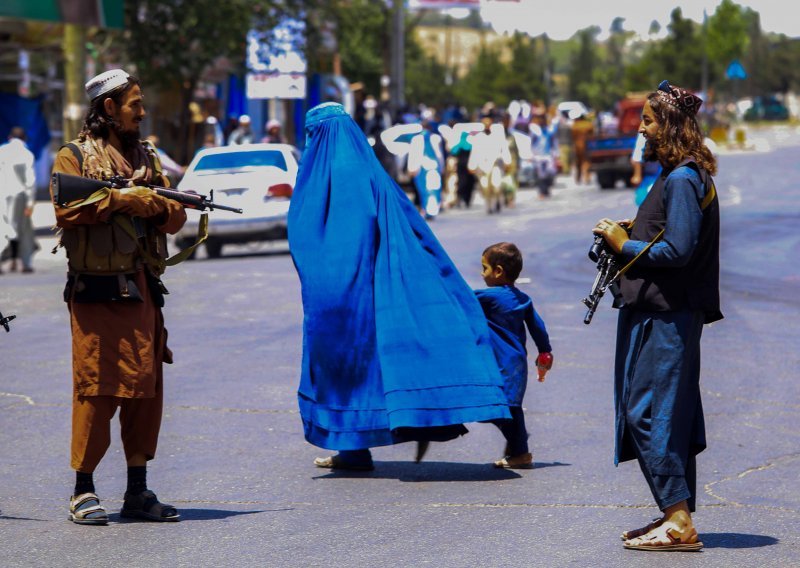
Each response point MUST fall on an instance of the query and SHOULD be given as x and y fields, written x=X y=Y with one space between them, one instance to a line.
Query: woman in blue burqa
x=395 y=344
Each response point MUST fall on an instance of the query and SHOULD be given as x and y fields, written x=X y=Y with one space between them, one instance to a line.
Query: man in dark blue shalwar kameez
x=670 y=291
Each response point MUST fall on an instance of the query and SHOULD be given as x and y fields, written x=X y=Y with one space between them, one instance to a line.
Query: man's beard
x=128 y=138
x=650 y=154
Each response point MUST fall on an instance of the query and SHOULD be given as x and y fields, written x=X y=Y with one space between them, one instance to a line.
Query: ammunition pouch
x=120 y=246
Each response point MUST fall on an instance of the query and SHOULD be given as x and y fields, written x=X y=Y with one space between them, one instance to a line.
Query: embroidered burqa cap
x=679 y=98
x=395 y=344
x=105 y=82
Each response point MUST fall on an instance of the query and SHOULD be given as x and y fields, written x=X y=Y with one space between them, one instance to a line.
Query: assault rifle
x=606 y=279
x=68 y=188
x=4 y=321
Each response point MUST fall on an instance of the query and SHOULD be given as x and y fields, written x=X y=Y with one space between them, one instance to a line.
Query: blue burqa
x=395 y=344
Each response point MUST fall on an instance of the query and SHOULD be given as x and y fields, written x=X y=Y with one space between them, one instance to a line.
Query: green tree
x=173 y=42
x=362 y=36
x=523 y=78
x=478 y=85
x=727 y=34
x=425 y=79
x=677 y=58
x=783 y=67
x=582 y=66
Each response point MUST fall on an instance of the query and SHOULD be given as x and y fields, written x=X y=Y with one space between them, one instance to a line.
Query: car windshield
x=235 y=160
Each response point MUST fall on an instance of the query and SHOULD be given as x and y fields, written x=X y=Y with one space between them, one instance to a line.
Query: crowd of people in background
x=440 y=157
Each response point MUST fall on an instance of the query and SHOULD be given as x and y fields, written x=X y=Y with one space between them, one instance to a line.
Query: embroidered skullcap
x=679 y=98
x=244 y=119
x=273 y=123
x=105 y=82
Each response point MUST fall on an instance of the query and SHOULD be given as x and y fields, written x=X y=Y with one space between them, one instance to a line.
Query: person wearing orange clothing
x=582 y=129
x=116 y=244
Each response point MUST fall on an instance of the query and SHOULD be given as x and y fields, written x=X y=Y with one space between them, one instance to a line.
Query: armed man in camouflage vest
x=116 y=245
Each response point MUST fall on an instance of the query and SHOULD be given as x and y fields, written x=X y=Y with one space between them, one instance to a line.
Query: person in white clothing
x=489 y=159
x=17 y=197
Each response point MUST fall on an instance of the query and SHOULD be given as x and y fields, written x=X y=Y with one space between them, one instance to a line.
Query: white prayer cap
x=105 y=82
x=244 y=119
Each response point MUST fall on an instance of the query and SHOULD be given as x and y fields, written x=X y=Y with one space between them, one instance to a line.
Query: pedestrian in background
x=395 y=346
x=669 y=293
x=274 y=134
x=18 y=193
x=582 y=129
x=243 y=133
x=488 y=160
x=509 y=310
x=426 y=166
x=114 y=295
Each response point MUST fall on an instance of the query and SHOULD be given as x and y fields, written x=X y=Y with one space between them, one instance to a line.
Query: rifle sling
x=158 y=263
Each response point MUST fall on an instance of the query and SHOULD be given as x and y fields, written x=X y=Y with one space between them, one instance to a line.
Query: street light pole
x=398 y=64
x=74 y=43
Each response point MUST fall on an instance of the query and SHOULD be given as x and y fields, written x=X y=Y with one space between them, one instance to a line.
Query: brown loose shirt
x=117 y=347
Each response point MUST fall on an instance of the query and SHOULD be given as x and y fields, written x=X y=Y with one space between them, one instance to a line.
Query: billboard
x=276 y=63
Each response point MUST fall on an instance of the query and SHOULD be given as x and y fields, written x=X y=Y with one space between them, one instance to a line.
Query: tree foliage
x=172 y=43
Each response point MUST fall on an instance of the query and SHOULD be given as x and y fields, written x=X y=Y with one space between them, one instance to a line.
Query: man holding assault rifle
x=669 y=288
x=115 y=240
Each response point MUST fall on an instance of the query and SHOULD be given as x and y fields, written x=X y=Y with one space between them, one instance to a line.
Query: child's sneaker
x=522 y=461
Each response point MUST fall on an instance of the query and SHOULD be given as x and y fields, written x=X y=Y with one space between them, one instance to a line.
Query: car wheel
x=606 y=180
x=213 y=248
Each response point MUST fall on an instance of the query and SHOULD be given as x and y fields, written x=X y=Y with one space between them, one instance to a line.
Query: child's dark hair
x=506 y=255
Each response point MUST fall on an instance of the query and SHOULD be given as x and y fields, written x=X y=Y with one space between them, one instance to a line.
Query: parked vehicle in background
x=610 y=153
x=766 y=108
x=259 y=178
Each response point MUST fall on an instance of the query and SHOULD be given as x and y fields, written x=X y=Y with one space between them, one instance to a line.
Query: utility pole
x=74 y=45
x=704 y=76
x=398 y=62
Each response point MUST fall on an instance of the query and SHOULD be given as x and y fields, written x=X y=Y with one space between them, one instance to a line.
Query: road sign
x=736 y=71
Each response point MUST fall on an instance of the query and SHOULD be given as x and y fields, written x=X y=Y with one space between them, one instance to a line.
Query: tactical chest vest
x=694 y=286
x=122 y=245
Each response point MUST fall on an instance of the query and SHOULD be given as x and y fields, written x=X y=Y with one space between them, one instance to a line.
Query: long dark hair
x=679 y=137
x=97 y=122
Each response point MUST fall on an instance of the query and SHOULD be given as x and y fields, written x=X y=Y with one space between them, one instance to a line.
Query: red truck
x=610 y=154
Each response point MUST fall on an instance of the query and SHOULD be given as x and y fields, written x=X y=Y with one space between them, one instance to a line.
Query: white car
x=258 y=178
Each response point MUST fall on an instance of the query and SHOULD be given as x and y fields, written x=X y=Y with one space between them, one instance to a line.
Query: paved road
x=233 y=458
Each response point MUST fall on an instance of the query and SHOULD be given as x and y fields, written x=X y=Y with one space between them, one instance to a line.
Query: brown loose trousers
x=117 y=348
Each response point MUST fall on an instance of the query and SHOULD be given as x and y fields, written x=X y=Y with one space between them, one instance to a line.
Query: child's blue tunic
x=508 y=311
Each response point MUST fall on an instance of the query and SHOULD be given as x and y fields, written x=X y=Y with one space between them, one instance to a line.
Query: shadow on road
x=736 y=540
x=199 y=514
x=428 y=471
x=542 y=465
x=5 y=518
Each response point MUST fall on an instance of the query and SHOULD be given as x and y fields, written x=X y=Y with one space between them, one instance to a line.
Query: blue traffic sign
x=736 y=71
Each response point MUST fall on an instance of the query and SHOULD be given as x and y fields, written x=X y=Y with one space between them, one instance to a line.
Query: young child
x=508 y=311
